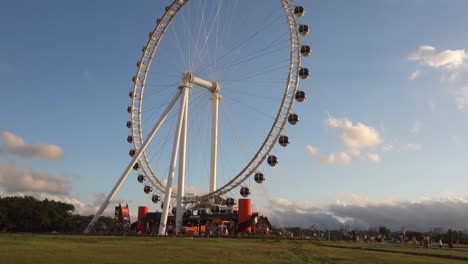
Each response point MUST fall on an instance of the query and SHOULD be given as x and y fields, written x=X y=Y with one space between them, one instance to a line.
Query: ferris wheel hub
x=188 y=80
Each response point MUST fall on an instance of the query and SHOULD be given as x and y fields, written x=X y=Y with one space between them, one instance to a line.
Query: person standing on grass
x=440 y=243
x=450 y=243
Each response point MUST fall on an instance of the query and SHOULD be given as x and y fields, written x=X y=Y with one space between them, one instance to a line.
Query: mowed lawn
x=25 y=248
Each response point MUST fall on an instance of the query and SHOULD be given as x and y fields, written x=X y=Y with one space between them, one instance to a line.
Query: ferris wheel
x=212 y=96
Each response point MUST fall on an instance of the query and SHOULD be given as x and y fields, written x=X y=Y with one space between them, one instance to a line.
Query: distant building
x=263 y=226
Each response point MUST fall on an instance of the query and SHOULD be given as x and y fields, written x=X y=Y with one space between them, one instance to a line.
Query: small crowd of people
x=426 y=242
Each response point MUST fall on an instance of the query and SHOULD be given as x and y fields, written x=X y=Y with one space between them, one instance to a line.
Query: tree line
x=27 y=214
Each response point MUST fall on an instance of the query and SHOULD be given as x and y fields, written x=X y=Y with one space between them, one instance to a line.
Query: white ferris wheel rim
x=144 y=64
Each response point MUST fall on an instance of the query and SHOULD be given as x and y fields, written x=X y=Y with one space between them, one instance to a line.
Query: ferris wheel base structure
x=219 y=221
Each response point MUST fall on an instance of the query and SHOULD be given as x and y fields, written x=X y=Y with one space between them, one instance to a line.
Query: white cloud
x=343 y=158
x=401 y=146
x=461 y=98
x=448 y=59
x=387 y=147
x=373 y=157
x=450 y=77
x=336 y=158
x=357 y=199
x=355 y=136
x=412 y=147
x=83 y=208
x=451 y=63
x=16 y=178
x=415 y=127
x=414 y=75
x=15 y=145
x=281 y=203
x=311 y=149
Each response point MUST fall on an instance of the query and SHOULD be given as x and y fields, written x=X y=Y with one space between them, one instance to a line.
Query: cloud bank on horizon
x=359 y=212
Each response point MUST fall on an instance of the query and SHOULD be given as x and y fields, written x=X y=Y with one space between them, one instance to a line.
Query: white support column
x=214 y=138
x=175 y=150
x=130 y=166
x=181 y=180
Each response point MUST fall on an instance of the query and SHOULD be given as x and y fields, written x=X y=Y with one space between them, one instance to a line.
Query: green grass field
x=25 y=248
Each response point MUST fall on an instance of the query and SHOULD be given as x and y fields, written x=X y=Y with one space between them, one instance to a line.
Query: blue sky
x=383 y=128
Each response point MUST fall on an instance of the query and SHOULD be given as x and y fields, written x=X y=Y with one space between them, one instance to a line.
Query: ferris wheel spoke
x=210 y=30
x=271 y=48
x=195 y=44
x=210 y=34
x=256 y=110
x=179 y=48
x=246 y=41
x=249 y=58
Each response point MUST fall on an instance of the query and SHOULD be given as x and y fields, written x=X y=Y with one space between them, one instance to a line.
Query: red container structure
x=141 y=224
x=245 y=215
x=122 y=215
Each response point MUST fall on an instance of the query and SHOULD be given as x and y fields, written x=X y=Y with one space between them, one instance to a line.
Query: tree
x=296 y=231
x=384 y=232
x=3 y=216
x=27 y=214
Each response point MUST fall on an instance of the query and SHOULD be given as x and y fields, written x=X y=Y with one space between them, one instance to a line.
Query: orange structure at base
x=245 y=215
x=228 y=220
x=141 y=224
